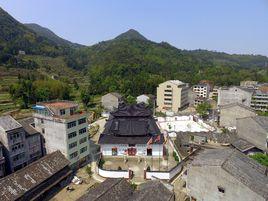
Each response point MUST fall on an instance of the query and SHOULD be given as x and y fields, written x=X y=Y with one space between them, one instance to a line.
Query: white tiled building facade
x=64 y=129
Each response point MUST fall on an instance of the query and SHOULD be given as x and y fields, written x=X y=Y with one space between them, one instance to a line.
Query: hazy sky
x=233 y=26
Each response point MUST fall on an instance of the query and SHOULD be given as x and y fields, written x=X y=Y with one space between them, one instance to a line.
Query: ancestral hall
x=131 y=130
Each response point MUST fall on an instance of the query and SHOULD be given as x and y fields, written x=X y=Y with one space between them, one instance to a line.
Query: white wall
x=113 y=174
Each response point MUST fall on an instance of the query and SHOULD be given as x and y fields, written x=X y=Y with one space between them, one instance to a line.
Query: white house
x=145 y=98
x=131 y=130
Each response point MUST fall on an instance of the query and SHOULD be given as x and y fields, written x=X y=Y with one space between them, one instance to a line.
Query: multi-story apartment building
x=201 y=90
x=13 y=138
x=2 y=161
x=259 y=99
x=172 y=95
x=234 y=95
x=64 y=129
x=34 y=140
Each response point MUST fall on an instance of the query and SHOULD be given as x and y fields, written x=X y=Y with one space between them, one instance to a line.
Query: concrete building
x=2 y=162
x=234 y=95
x=64 y=128
x=131 y=130
x=226 y=174
x=254 y=130
x=37 y=181
x=34 y=140
x=248 y=83
x=214 y=93
x=111 y=101
x=201 y=90
x=231 y=112
x=259 y=101
x=12 y=136
x=145 y=98
x=172 y=95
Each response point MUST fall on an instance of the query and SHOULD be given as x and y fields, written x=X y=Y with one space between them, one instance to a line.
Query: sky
x=232 y=26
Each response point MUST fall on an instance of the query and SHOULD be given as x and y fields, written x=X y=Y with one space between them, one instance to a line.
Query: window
x=168 y=86
x=71 y=135
x=72 y=145
x=73 y=155
x=43 y=130
x=62 y=112
x=83 y=130
x=83 y=150
x=72 y=110
x=83 y=140
x=81 y=121
x=167 y=90
x=221 y=189
x=14 y=136
x=42 y=121
x=17 y=146
x=71 y=124
x=18 y=157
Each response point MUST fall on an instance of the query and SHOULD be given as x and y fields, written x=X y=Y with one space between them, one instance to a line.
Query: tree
x=85 y=97
x=130 y=99
x=203 y=109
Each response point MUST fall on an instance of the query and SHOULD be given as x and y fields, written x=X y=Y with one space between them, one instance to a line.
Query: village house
x=121 y=190
x=37 y=180
x=254 y=130
x=111 y=101
x=22 y=144
x=235 y=94
x=131 y=130
x=259 y=100
x=34 y=140
x=226 y=174
x=145 y=98
x=63 y=128
x=229 y=114
x=13 y=138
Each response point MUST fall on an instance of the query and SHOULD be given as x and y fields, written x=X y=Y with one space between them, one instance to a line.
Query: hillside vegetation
x=130 y=64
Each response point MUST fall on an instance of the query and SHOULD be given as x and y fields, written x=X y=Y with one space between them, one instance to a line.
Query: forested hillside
x=130 y=63
x=133 y=65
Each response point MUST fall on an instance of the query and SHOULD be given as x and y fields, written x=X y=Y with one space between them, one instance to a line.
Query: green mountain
x=131 y=35
x=46 y=33
x=14 y=37
x=129 y=63
x=133 y=65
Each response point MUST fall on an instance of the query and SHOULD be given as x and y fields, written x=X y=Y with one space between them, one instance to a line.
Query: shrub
x=175 y=156
x=101 y=163
x=260 y=158
x=88 y=170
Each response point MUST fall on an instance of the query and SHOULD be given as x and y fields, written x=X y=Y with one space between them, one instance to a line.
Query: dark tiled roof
x=110 y=189
x=244 y=169
x=262 y=121
x=236 y=104
x=121 y=190
x=136 y=110
x=130 y=125
x=14 y=186
x=9 y=123
x=242 y=145
x=27 y=126
x=112 y=139
x=154 y=191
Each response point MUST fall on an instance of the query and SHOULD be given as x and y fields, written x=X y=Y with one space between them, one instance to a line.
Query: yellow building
x=172 y=95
